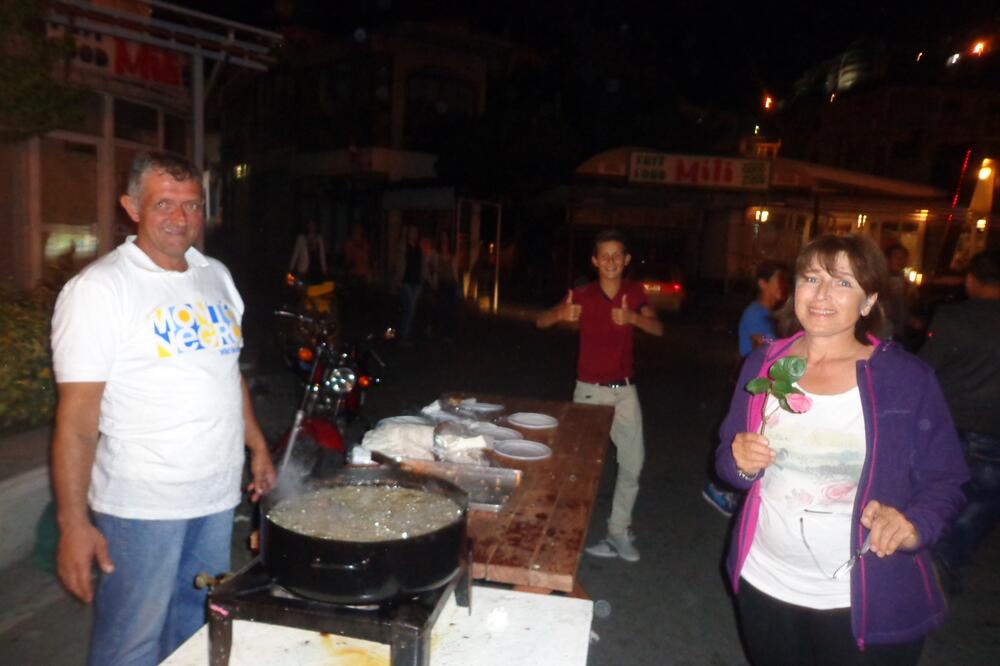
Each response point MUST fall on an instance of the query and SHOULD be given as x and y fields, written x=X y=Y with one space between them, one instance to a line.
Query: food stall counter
x=504 y=627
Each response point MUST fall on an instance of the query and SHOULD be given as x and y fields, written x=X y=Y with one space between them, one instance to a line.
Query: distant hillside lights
x=978 y=49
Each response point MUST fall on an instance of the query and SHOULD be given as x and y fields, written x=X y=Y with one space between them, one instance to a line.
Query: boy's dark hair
x=767 y=268
x=895 y=247
x=985 y=267
x=608 y=235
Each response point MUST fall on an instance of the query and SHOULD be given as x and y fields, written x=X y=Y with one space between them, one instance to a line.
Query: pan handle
x=351 y=566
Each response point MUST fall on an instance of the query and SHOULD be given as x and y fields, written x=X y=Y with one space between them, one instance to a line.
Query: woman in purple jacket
x=830 y=556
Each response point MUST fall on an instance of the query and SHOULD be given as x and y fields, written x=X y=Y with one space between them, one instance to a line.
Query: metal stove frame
x=405 y=625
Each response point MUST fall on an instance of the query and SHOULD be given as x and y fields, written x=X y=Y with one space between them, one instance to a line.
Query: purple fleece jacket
x=913 y=462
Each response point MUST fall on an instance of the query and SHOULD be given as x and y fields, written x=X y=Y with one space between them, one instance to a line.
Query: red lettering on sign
x=146 y=62
x=695 y=172
x=690 y=174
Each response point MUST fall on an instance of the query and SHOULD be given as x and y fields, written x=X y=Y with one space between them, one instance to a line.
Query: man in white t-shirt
x=151 y=424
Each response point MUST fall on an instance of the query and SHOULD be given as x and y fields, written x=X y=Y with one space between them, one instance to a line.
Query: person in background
x=849 y=489
x=755 y=328
x=356 y=256
x=309 y=255
x=896 y=299
x=607 y=311
x=414 y=274
x=962 y=347
x=151 y=423
x=443 y=280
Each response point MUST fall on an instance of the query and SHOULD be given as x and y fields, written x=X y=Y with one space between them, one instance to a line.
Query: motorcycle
x=320 y=320
x=330 y=418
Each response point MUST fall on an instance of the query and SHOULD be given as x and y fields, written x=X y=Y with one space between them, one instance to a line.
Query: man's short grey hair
x=178 y=167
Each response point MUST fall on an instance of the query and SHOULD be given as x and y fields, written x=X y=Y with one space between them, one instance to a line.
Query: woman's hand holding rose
x=752 y=453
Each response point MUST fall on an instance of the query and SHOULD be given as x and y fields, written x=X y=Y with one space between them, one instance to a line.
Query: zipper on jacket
x=870 y=464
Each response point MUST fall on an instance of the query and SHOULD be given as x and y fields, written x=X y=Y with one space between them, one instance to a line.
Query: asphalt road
x=671 y=607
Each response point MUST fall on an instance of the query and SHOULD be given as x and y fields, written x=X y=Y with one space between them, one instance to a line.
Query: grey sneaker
x=616 y=545
x=601 y=549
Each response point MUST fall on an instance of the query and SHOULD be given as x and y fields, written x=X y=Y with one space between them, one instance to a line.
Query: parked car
x=663 y=284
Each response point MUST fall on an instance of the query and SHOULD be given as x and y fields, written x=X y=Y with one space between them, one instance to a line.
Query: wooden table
x=534 y=542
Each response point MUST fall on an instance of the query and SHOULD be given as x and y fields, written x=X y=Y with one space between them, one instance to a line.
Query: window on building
x=69 y=207
x=435 y=100
x=951 y=107
x=91 y=116
x=175 y=134
x=993 y=119
x=136 y=122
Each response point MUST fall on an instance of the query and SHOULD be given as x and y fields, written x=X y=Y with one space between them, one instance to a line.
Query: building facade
x=717 y=217
x=348 y=132
x=141 y=67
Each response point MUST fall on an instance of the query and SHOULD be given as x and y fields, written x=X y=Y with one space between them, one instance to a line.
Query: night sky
x=717 y=54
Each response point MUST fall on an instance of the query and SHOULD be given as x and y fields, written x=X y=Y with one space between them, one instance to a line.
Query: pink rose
x=799 y=403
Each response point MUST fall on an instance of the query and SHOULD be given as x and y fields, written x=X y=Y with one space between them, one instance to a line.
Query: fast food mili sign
x=117 y=58
x=698 y=171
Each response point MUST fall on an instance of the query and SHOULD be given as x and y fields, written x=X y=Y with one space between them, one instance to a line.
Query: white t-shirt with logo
x=166 y=344
x=803 y=534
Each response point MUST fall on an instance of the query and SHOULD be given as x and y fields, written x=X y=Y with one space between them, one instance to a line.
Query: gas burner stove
x=404 y=624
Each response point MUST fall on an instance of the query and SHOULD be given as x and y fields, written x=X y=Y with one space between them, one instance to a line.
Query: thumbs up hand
x=569 y=311
x=623 y=316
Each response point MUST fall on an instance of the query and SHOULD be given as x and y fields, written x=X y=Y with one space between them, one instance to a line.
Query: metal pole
x=198 y=107
x=496 y=269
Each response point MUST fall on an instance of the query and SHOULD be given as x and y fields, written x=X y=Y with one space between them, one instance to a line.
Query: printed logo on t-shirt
x=191 y=327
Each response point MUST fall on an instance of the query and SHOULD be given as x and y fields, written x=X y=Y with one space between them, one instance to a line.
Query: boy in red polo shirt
x=607 y=310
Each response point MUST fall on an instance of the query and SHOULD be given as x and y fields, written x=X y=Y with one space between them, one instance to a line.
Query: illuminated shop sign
x=117 y=58
x=699 y=171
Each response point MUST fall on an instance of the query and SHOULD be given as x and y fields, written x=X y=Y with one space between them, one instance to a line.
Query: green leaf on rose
x=789 y=368
x=780 y=388
x=780 y=381
x=776 y=373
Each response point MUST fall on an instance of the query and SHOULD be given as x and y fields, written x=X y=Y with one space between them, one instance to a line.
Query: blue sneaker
x=723 y=501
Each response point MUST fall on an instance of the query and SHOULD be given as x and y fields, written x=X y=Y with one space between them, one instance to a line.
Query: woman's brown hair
x=869 y=268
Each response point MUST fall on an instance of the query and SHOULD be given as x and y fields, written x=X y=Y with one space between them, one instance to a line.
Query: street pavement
x=671 y=607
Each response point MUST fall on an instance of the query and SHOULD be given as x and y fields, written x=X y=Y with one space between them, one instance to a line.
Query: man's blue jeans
x=982 y=492
x=148 y=606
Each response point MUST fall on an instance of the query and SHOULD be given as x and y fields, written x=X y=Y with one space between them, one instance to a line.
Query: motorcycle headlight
x=341 y=380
